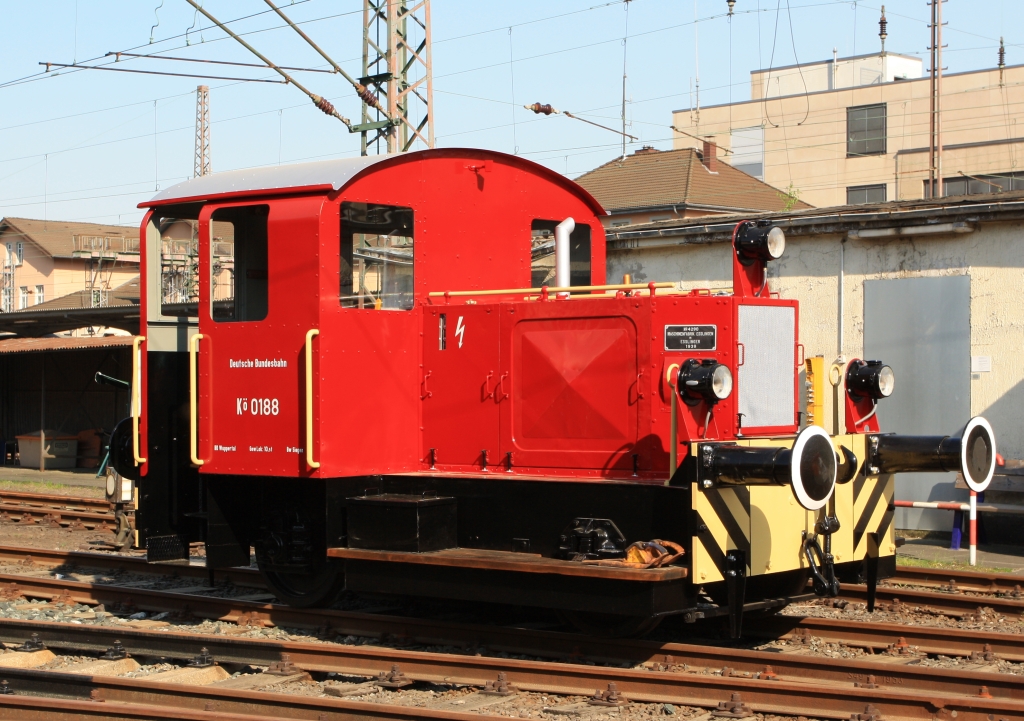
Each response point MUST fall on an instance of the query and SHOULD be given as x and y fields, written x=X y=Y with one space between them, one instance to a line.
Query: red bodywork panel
x=507 y=383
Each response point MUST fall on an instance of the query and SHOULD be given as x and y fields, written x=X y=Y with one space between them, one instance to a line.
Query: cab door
x=258 y=297
x=461 y=387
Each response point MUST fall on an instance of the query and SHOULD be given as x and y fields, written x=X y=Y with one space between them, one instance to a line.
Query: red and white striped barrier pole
x=972 y=510
x=974 y=528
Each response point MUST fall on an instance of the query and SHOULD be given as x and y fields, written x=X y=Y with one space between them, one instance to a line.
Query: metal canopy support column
x=397 y=68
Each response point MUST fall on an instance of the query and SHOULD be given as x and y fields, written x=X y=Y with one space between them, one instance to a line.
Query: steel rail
x=120 y=698
x=761 y=694
x=877 y=636
x=54 y=500
x=59 y=516
x=943 y=602
x=693 y=659
x=76 y=560
x=954 y=580
x=30 y=708
x=880 y=636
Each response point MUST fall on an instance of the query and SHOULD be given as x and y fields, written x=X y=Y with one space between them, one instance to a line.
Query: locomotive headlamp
x=870 y=379
x=760 y=241
x=706 y=380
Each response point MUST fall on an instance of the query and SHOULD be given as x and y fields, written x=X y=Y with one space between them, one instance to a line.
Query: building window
x=238 y=283
x=21 y=253
x=23 y=298
x=860 y=194
x=979 y=184
x=748 y=151
x=619 y=223
x=865 y=130
x=40 y=294
x=377 y=257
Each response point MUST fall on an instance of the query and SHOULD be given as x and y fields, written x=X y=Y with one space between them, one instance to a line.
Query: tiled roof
x=656 y=178
x=29 y=345
x=56 y=237
x=125 y=294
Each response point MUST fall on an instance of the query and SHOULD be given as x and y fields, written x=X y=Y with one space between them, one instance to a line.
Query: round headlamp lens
x=776 y=243
x=886 y=381
x=721 y=382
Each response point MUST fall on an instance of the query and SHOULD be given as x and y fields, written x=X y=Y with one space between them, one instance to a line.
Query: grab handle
x=136 y=397
x=309 y=398
x=193 y=352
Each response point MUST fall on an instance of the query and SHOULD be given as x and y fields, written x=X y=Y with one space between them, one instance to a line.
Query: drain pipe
x=842 y=298
x=562 y=232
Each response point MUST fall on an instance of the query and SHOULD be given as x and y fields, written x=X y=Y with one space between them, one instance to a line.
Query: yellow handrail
x=570 y=289
x=309 y=398
x=136 y=396
x=193 y=351
x=671 y=379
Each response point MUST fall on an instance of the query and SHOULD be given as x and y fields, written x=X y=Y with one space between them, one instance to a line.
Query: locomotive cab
x=408 y=375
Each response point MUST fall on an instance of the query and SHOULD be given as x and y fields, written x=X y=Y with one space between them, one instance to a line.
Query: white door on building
x=922 y=328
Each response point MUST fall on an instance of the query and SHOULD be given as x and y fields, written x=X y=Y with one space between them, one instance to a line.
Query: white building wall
x=993 y=256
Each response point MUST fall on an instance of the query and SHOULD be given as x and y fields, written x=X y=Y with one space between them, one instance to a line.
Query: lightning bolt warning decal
x=460 y=330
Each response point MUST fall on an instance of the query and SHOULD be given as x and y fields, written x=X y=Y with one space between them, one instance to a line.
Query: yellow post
x=673 y=443
x=815 y=389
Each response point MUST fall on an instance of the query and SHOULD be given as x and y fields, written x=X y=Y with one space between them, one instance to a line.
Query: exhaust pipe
x=809 y=467
x=562 y=232
x=971 y=452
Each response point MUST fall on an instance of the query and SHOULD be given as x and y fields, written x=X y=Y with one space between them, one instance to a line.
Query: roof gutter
x=948 y=219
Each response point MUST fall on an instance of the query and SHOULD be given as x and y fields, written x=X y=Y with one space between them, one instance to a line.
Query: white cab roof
x=320 y=173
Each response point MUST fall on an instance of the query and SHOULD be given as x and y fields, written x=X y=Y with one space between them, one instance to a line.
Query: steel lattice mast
x=202 y=164
x=397 y=68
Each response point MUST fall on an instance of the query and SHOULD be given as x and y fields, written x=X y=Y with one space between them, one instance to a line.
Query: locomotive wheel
x=609 y=625
x=305 y=590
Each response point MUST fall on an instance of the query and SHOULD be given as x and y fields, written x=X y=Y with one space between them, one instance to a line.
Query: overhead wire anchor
x=545 y=109
x=321 y=103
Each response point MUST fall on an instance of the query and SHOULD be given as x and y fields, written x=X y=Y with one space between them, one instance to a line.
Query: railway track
x=957 y=581
x=882 y=685
x=691 y=675
x=35 y=568
x=56 y=510
x=950 y=604
x=43 y=560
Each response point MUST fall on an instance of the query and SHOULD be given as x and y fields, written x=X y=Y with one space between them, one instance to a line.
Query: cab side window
x=376 y=256
x=239 y=263
x=542 y=253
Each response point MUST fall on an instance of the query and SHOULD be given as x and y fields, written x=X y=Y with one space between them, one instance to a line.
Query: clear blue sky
x=89 y=145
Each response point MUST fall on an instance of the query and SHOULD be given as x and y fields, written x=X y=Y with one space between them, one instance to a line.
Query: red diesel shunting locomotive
x=406 y=374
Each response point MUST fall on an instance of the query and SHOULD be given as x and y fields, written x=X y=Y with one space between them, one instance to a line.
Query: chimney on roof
x=646 y=150
x=710 y=155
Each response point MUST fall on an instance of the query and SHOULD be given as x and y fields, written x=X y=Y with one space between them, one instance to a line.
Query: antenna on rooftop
x=882 y=25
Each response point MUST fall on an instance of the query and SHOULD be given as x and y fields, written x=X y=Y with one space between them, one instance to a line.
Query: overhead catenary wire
x=160 y=72
x=322 y=104
x=517 y=60
x=118 y=55
x=544 y=109
x=362 y=91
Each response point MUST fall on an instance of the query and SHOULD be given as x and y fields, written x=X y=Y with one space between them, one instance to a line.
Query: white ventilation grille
x=766 y=383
